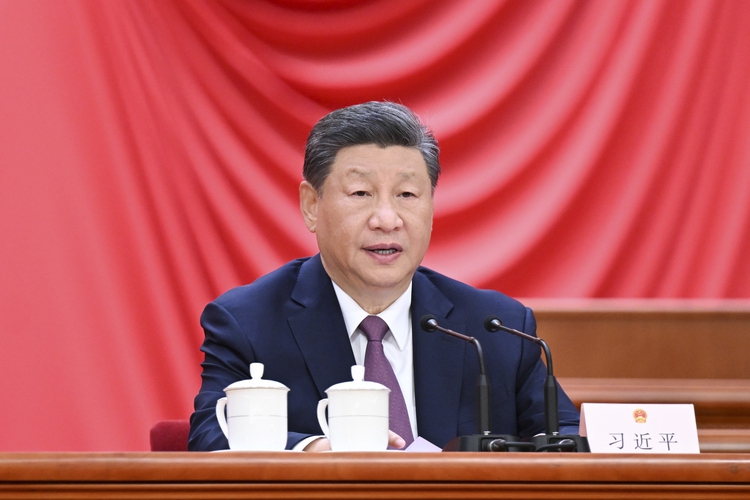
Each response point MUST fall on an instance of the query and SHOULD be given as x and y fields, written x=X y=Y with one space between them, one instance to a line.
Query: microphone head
x=428 y=323
x=492 y=323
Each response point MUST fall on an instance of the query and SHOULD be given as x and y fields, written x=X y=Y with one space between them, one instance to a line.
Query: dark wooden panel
x=646 y=339
x=719 y=403
x=724 y=440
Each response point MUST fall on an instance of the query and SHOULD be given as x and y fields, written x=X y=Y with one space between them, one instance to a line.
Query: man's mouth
x=385 y=251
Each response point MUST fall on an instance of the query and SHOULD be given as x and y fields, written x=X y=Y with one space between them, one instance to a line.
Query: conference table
x=387 y=475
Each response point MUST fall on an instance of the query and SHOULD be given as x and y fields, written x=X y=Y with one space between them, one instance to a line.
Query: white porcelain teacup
x=256 y=413
x=357 y=414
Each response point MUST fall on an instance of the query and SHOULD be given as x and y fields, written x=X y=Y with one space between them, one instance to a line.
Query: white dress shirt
x=397 y=343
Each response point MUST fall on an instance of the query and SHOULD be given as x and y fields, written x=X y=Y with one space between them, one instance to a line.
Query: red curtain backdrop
x=150 y=153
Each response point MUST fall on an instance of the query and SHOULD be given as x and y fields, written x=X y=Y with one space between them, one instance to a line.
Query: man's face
x=372 y=220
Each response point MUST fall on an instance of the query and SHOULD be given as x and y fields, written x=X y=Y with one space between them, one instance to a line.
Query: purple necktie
x=378 y=369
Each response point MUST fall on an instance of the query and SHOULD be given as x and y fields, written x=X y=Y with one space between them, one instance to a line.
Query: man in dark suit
x=370 y=174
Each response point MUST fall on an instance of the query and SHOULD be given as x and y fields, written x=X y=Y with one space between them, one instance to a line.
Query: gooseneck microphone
x=484 y=440
x=429 y=324
x=493 y=324
x=552 y=440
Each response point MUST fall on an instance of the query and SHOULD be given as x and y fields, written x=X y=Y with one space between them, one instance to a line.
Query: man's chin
x=385 y=284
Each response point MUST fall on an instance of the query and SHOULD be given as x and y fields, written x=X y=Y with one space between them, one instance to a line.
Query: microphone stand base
x=561 y=442
x=488 y=442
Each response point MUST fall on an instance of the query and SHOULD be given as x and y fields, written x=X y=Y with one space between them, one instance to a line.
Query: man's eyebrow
x=358 y=172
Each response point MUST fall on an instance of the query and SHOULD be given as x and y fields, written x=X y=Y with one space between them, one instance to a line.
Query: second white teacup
x=357 y=414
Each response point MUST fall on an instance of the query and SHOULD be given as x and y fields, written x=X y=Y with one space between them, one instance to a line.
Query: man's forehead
x=369 y=156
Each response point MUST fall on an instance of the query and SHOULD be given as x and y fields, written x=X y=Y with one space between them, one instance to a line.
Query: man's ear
x=308 y=204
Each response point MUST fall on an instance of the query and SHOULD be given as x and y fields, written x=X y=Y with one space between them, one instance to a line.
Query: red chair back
x=170 y=435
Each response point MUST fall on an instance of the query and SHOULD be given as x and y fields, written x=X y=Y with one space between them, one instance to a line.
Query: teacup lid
x=256 y=382
x=358 y=383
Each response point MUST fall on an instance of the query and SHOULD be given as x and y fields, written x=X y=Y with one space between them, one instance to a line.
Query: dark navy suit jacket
x=290 y=321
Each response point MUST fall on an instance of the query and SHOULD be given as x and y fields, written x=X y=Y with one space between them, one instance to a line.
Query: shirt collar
x=396 y=316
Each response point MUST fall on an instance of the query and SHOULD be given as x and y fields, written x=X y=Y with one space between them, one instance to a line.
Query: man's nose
x=385 y=217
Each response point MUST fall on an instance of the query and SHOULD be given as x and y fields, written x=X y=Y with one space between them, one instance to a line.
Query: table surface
x=384 y=466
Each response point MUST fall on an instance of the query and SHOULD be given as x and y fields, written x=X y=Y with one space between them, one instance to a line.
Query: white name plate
x=640 y=428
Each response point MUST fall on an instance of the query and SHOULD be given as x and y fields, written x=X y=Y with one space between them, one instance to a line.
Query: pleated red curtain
x=150 y=154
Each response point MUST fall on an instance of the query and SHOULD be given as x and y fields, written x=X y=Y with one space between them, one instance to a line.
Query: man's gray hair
x=381 y=123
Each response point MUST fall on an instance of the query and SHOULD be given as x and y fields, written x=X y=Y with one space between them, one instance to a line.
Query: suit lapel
x=319 y=328
x=438 y=364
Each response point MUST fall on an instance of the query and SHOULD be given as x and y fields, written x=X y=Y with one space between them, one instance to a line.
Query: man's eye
x=359 y=193
x=407 y=194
